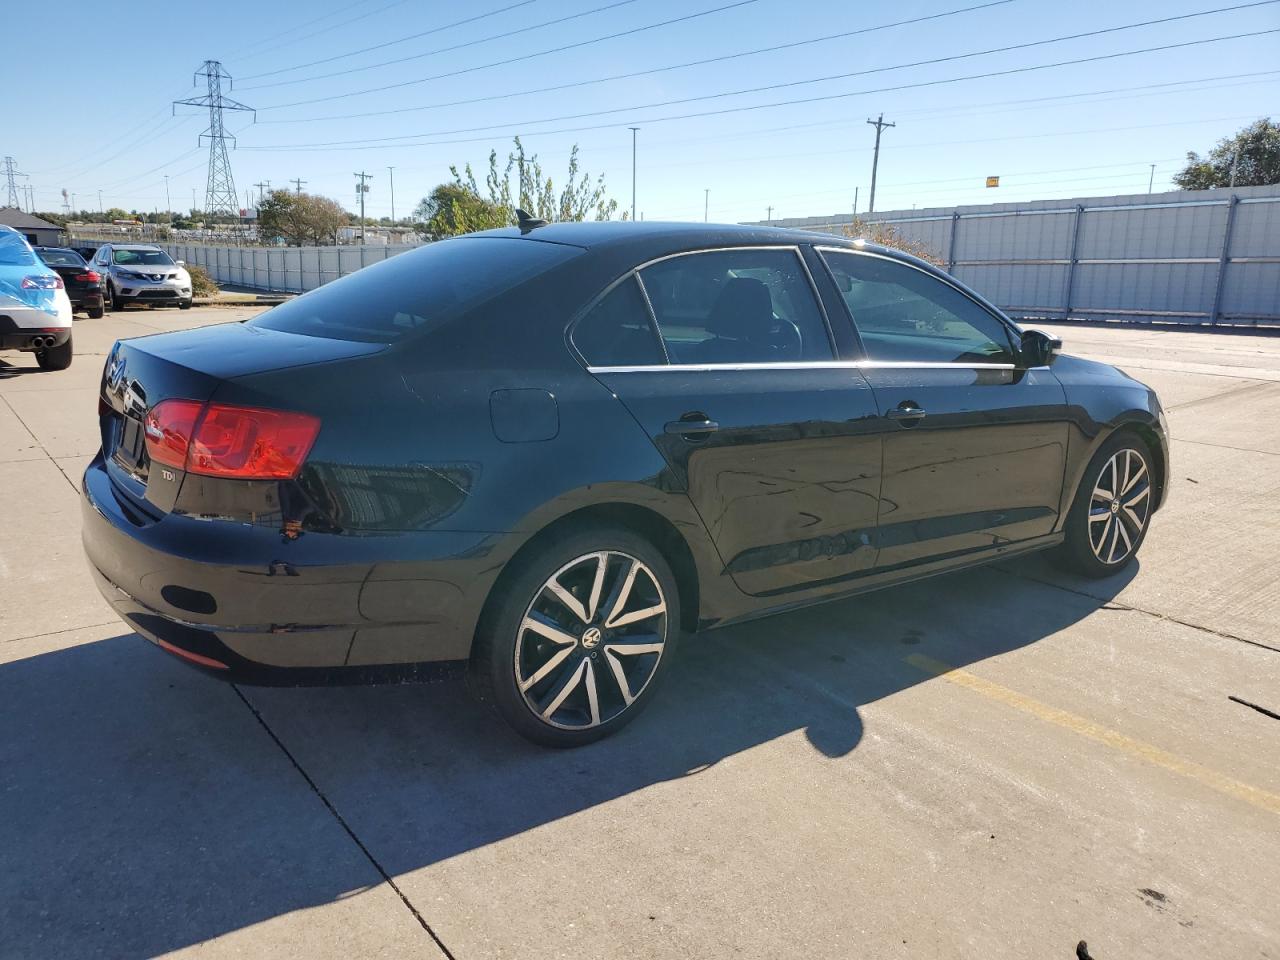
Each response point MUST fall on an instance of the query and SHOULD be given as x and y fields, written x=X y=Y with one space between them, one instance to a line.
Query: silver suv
x=141 y=272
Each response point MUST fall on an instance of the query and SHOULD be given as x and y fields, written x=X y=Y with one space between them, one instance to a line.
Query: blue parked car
x=35 y=312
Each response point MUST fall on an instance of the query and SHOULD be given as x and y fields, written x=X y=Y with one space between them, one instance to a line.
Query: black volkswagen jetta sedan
x=550 y=451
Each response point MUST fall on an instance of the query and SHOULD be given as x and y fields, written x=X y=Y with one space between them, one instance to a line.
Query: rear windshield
x=416 y=291
x=147 y=258
x=14 y=251
x=61 y=258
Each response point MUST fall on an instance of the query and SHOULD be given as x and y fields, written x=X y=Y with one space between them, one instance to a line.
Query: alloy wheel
x=1119 y=506
x=590 y=641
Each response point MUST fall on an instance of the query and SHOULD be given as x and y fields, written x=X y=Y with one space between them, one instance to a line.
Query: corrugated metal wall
x=1209 y=256
x=290 y=269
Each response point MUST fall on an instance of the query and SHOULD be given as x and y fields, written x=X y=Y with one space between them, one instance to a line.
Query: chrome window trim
x=804 y=365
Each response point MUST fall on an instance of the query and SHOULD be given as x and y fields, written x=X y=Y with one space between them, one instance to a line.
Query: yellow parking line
x=1094 y=731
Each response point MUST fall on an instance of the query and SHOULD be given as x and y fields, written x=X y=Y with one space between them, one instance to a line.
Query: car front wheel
x=1112 y=508
x=578 y=636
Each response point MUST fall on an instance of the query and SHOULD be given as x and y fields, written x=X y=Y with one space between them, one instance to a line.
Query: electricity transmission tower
x=220 y=194
x=875 y=163
x=10 y=173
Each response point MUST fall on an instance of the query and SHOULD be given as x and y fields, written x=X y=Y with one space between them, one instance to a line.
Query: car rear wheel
x=95 y=313
x=55 y=358
x=577 y=636
x=1112 y=508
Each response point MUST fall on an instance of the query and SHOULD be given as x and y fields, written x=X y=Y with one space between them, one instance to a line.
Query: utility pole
x=879 y=124
x=1152 y=181
x=706 y=203
x=362 y=188
x=769 y=218
x=99 y=201
x=392 y=180
x=168 y=204
x=297 y=185
x=220 y=193
x=633 y=172
x=855 y=203
x=260 y=185
x=194 y=206
x=10 y=173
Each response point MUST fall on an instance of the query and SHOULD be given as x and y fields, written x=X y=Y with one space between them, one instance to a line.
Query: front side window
x=906 y=315
x=618 y=331
x=125 y=257
x=737 y=306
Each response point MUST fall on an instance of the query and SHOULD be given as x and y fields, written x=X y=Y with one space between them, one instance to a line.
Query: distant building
x=39 y=233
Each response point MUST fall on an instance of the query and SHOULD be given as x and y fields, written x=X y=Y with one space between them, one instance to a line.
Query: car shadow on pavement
x=146 y=809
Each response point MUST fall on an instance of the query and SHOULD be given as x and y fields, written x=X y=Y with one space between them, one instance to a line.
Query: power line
x=391 y=43
x=377 y=143
x=345 y=23
x=529 y=56
x=635 y=73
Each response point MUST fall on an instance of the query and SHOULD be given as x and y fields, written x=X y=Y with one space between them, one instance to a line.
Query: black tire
x=507 y=656
x=114 y=303
x=95 y=313
x=184 y=305
x=1095 y=547
x=55 y=358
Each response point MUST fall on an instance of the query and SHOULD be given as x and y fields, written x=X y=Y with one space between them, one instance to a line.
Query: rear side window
x=737 y=306
x=415 y=291
x=618 y=331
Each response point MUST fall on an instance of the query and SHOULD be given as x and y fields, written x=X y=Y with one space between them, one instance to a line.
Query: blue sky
x=98 y=115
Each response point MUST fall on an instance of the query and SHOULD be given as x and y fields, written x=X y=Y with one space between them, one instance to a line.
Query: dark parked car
x=550 y=451
x=84 y=285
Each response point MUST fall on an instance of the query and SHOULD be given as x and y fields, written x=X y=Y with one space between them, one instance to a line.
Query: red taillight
x=89 y=277
x=169 y=427
x=42 y=283
x=219 y=440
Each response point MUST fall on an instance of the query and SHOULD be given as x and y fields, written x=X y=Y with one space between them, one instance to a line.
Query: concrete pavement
x=994 y=764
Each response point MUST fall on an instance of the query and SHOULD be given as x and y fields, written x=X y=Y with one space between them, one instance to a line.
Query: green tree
x=299 y=219
x=454 y=208
x=1254 y=153
x=115 y=213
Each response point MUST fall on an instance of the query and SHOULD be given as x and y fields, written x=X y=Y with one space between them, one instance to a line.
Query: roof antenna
x=526 y=222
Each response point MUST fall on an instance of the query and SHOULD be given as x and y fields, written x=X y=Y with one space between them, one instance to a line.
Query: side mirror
x=1039 y=348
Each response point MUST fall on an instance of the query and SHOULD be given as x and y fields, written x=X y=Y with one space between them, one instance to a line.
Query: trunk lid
x=190 y=365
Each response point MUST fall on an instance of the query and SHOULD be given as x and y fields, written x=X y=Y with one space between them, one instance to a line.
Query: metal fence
x=287 y=269
x=1210 y=256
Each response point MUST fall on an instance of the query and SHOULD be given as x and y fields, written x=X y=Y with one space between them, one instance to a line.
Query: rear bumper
x=18 y=329
x=85 y=298
x=245 y=603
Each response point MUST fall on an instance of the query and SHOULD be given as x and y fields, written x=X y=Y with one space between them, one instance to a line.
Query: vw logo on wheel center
x=591 y=638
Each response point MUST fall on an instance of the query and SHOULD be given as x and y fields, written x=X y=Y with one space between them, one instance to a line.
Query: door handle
x=907 y=412
x=692 y=427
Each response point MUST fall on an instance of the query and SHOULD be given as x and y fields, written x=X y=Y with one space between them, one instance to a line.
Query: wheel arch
x=656 y=528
